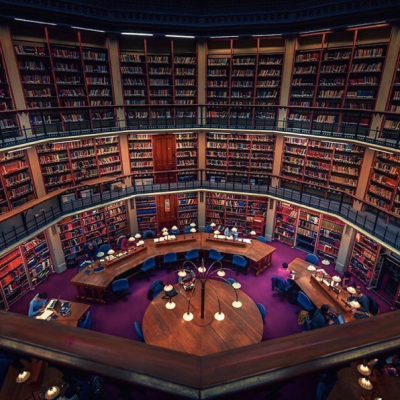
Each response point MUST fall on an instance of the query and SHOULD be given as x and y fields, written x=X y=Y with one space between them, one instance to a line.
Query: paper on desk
x=46 y=314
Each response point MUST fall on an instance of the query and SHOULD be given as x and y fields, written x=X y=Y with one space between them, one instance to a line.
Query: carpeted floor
x=118 y=318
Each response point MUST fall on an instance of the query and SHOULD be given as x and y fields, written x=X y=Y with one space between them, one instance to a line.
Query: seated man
x=91 y=251
x=188 y=280
x=38 y=304
x=362 y=300
x=321 y=318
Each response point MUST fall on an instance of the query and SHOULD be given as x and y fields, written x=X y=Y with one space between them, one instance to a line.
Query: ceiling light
x=87 y=29
x=181 y=36
x=136 y=34
x=34 y=22
x=269 y=34
x=222 y=37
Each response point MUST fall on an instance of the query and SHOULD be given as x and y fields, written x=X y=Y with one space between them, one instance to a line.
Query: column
x=364 y=177
x=346 y=246
x=201 y=211
x=269 y=229
x=36 y=172
x=124 y=150
x=55 y=247
x=132 y=216
x=201 y=76
x=278 y=153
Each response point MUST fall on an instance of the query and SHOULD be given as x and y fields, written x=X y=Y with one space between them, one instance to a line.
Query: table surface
x=12 y=390
x=78 y=310
x=166 y=328
x=256 y=251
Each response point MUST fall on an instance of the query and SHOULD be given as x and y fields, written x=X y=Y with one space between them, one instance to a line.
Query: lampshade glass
x=237 y=304
x=253 y=233
x=236 y=285
x=131 y=239
x=355 y=304
x=52 y=393
x=351 y=290
x=164 y=230
x=219 y=316
x=202 y=269
x=188 y=316
x=170 y=305
x=174 y=228
x=23 y=376
x=234 y=229
x=192 y=224
x=182 y=273
x=138 y=236
x=193 y=230
x=365 y=383
x=221 y=273
x=311 y=268
x=336 y=279
x=111 y=252
x=364 y=369
x=168 y=288
x=140 y=242
x=216 y=233
x=165 y=233
x=212 y=225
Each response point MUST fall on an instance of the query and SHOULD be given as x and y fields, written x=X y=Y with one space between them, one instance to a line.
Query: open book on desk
x=46 y=314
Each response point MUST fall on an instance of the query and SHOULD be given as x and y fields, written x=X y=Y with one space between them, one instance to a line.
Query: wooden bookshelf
x=108 y=155
x=116 y=221
x=329 y=238
x=286 y=222
x=140 y=153
x=146 y=211
x=187 y=155
x=187 y=210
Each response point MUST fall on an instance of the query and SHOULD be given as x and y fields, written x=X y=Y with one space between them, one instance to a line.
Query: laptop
x=339 y=320
x=52 y=303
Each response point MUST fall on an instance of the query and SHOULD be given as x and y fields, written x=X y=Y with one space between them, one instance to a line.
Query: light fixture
x=212 y=225
x=174 y=228
x=234 y=229
x=164 y=229
x=87 y=29
x=237 y=304
x=221 y=273
x=202 y=269
x=365 y=383
x=216 y=233
x=253 y=233
x=223 y=37
x=193 y=225
x=363 y=369
x=138 y=236
x=181 y=36
x=182 y=273
x=193 y=231
x=131 y=239
x=268 y=35
x=23 y=376
x=351 y=290
x=111 y=252
x=100 y=254
x=140 y=243
x=311 y=268
x=355 y=304
x=336 y=279
x=136 y=34
x=52 y=393
x=170 y=305
x=236 y=285
x=219 y=316
x=35 y=22
x=188 y=316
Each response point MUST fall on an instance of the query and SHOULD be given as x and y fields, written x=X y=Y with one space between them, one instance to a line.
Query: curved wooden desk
x=166 y=328
x=91 y=287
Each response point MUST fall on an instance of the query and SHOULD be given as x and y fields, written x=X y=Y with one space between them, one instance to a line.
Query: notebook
x=46 y=314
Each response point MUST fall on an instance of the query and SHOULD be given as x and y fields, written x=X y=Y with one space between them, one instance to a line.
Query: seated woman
x=37 y=304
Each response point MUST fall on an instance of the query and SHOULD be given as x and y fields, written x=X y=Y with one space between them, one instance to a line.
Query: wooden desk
x=300 y=267
x=78 y=310
x=12 y=390
x=166 y=328
x=93 y=286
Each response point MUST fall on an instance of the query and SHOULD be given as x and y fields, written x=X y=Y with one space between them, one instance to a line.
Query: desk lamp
x=165 y=234
x=23 y=376
x=52 y=393
x=193 y=225
x=336 y=280
x=111 y=252
x=140 y=243
x=212 y=226
x=168 y=289
x=365 y=383
x=351 y=290
x=192 y=231
x=174 y=228
x=234 y=229
x=100 y=254
x=363 y=369
x=216 y=234
x=253 y=233
x=131 y=239
x=138 y=236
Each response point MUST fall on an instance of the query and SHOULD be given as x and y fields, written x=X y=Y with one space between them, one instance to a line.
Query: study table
x=166 y=328
x=318 y=292
x=93 y=286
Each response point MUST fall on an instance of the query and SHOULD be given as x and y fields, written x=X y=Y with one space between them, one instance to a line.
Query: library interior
x=191 y=191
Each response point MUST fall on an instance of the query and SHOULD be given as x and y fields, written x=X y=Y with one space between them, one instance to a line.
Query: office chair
x=215 y=255
x=104 y=248
x=231 y=281
x=155 y=289
x=208 y=229
x=280 y=286
x=312 y=258
x=240 y=264
x=307 y=325
x=149 y=234
x=263 y=311
x=169 y=260
x=86 y=323
x=120 y=289
x=175 y=232
x=71 y=261
x=138 y=331
x=192 y=255
x=305 y=302
x=187 y=229
x=147 y=267
x=261 y=239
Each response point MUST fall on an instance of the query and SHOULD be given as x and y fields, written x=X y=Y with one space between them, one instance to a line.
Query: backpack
x=373 y=307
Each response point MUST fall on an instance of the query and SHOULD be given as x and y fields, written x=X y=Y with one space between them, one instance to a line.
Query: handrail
x=375 y=223
x=354 y=131
x=194 y=377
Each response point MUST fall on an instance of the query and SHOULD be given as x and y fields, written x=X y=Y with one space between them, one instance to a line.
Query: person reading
x=361 y=299
x=321 y=318
x=188 y=280
x=37 y=304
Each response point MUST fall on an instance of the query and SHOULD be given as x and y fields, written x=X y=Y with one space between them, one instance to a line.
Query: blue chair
x=280 y=286
x=305 y=302
x=86 y=323
x=215 y=255
x=149 y=234
x=104 y=248
x=187 y=229
x=192 y=255
x=138 y=331
x=147 y=267
x=312 y=258
x=240 y=264
x=84 y=265
x=231 y=281
x=169 y=260
x=307 y=325
x=261 y=239
x=120 y=289
x=175 y=232
x=155 y=289
x=208 y=229
x=263 y=311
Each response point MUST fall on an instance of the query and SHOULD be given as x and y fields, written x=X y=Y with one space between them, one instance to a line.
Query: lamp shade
x=193 y=230
x=174 y=228
x=337 y=279
x=212 y=225
x=168 y=288
x=100 y=254
x=234 y=229
x=253 y=233
x=165 y=233
x=311 y=268
x=188 y=316
x=138 y=236
x=363 y=369
x=140 y=243
x=164 y=230
x=236 y=285
x=182 y=273
x=355 y=304
x=23 y=377
x=351 y=290
x=52 y=393
x=111 y=252
x=216 y=233
x=192 y=224
x=131 y=239
x=219 y=316
x=365 y=383
x=221 y=273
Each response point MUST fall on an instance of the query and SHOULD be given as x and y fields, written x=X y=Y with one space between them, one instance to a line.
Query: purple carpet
x=117 y=318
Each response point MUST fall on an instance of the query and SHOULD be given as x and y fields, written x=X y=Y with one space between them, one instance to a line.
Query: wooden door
x=164 y=157
x=167 y=211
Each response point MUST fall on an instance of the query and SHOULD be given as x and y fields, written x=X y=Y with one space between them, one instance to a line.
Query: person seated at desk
x=91 y=251
x=321 y=318
x=188 y=280
x=37 y=304
x=348 y=280
x=228 y=232
x=79 y=391
x=362 y=300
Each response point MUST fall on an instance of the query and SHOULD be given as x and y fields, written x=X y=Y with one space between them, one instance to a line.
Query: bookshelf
x=116 y=221
x=246 y=213
x=329 y=238
x=146 y=211
x=187 y=210
x=186 y=155
x=364 y=259
x=249 y=155
x=108 y=155
x=8 y=122
x=285 y=223
x=71 y=235
x=307 y=230
x=16 y=186
x=140 y=153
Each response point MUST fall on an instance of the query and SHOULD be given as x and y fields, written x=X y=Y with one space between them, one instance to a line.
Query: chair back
x=170 y=257
x=104 y=248
x=312 y=258
x=208 y=229
x=149 y=234
x=149 y=263
x=305 y=302
x=175 y=232
x=155 y=289
x=120 y=284
x=214 y=254
x=239 y=260
x=187 y=229
x=263 y=311
x=138 y=331
x=278 y=283
x=261 y=239
x=307 y=326
x=231 y=281
x=192 y=254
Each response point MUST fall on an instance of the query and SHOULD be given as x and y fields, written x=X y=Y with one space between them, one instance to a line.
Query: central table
x=166 y=328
